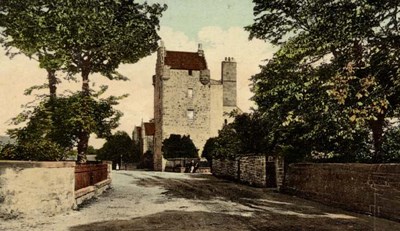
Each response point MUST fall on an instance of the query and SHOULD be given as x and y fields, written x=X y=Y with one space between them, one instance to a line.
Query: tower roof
x=185 y=60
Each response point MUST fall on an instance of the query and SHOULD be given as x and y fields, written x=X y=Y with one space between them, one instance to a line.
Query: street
x=142 y=200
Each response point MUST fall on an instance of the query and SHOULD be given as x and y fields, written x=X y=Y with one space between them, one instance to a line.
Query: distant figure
x=117 y=167
x=196 y=166
x=192 y=166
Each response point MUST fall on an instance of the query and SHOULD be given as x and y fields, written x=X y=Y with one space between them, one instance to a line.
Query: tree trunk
x=82 y=146
x=377 y=136
x=83 y=137
x=51 y=76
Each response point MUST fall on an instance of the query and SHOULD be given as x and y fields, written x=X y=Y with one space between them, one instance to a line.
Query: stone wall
x=253 y=170
x=36 y=188
x=368 y=188
x=225 y=168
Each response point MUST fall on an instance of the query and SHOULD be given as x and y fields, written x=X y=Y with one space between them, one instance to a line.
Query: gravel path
x=171 y=201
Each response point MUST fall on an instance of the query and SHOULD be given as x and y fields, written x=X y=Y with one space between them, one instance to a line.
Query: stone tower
x=187 y=101
x=228 y=74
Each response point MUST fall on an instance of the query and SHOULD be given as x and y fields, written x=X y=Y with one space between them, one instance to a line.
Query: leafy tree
x=227 y=144
x=23 y=27
x=209 y=148
x=119 y=147
x=391 y=145
x=38 y=150
x=177 y=146
x=88 y=37
x=60 y=120
x=358 y=37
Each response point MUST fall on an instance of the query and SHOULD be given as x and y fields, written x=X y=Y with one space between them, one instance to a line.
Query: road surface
x=141 y=200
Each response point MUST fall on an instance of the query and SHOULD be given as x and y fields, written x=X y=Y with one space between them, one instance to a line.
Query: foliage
x=60 y=120
x=335 y=76
x=82 y=37
x=147 y=161
x=208 y=149
x=37 y=150
x=119 y=147
x=93 y=36
x=177 y=146
x=227 y=145
x=391 y=145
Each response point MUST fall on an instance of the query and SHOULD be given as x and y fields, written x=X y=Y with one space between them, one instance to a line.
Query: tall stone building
x=187 y=101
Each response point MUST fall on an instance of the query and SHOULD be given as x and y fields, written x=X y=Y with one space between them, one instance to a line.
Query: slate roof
x=185 y=60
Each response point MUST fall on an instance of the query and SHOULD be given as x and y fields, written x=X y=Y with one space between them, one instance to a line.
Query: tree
x=177 y=146
x=119 y=147
x=59 y=121
x=227 y=145
x=209 y=148
x=23 y=27
x=89 y=37
x=359 y=39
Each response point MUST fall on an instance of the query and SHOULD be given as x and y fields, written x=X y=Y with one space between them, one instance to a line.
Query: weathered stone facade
x=368 y=188
x=187 y=101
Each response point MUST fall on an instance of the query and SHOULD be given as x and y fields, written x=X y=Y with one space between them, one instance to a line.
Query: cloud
x=20 y=73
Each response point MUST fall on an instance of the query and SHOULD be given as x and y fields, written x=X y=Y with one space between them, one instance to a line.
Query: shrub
x=177 y=146
x=40 y=150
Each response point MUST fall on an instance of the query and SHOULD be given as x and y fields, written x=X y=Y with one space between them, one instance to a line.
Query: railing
x=89 y=174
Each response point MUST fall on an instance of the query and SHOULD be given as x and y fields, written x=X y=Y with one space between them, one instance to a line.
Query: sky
x=216 y=24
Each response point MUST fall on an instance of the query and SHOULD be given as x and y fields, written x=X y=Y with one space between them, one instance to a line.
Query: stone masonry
x=187 y=101
x=368 y=188
x=252 y=169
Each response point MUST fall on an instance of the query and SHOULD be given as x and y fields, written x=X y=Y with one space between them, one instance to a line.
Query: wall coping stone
x=36 y=164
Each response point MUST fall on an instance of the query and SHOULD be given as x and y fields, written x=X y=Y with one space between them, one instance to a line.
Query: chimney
x=200 y=50
x=229 y=79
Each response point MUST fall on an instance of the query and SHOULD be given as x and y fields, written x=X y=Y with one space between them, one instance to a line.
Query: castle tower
x=187 y=101
x=228 y=74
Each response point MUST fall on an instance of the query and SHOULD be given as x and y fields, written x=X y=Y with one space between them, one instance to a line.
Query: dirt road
x=172 y=201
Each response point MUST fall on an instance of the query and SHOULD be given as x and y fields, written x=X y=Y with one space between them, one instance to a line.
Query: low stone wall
x=33 y=189
x=225 y=168
x=368 y=188
x=252 y=170
x=261 y=171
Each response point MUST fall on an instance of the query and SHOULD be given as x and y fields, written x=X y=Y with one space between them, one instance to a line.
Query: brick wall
x=368 y=188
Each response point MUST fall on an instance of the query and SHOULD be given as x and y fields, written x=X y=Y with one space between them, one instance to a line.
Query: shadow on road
x=229 y=203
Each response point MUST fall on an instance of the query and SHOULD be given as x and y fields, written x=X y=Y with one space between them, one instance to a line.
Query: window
x=190 y=72
x=190 y=114
x=190 y=93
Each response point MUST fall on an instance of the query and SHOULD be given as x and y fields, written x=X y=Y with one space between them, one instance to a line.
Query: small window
x=190 y=93
x=190 y=114
x=190 y=72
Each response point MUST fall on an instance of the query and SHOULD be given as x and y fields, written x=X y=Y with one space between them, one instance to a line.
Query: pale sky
x=217 y=24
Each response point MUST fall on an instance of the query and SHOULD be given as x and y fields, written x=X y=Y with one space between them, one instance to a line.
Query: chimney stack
x=200 y=50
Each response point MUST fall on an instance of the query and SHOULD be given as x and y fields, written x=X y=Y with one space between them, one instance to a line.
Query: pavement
x=143 y=200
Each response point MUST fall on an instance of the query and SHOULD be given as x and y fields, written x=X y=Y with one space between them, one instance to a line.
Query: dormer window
x=190 y=72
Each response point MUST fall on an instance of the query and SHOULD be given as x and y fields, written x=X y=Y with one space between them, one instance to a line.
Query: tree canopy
x=336 y=73
x=81 y=37
x=119 y=147
x=177 y=146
